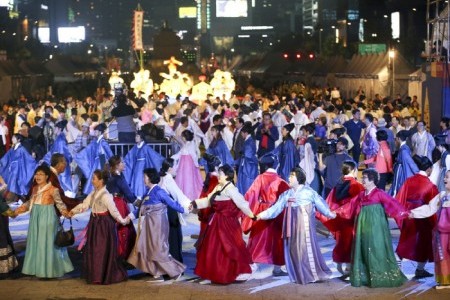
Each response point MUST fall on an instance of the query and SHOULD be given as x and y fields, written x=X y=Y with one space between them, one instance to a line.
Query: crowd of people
x=264 y=165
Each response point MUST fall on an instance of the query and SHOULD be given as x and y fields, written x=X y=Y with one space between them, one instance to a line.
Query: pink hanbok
x=188 y=178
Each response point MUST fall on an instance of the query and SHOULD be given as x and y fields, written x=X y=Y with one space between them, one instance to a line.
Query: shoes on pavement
x=279 y=273
x=423 y=273
x=441 y=287
x=156 y=279
x=203 y=282
x=243 y=277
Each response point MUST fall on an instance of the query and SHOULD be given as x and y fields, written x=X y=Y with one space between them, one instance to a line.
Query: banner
x=138 y=21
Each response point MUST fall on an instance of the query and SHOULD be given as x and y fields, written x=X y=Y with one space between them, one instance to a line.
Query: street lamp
x=392 y=59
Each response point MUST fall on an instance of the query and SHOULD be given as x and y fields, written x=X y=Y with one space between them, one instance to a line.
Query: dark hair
x=113 y=162
x=382 y=135
x=369 y=117
x=26 y=124
x=228 y=171
x=94 y=117
x=216 y=118
x=300 y=174
x=371 y=174
x=248 y=128
x=45 y=169
x=102 y=175
x=436 y=155
x=348 y=166
x=19 y=137
x=56 y=159
x=355 y=111
x=166 y=165
x=187 y=135
x=422 y=162
x=152 y=175
x=184 y=119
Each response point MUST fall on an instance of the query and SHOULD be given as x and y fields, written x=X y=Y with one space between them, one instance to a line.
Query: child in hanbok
x=188 y=179
x=440 y=205
x=304 y=261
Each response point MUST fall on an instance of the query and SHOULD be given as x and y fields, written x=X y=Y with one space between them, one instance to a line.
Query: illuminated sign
x=187 y=12
x=44 y=35
x=231 y=8
x=395 y=25
x=71 y=34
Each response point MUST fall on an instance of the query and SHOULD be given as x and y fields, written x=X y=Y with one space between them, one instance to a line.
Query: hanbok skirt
x=151 y=251
x=100 y=259
x=8 y=260
x=373 y=260
x=441 y=248
x=42 y=258
x=175 y=234
x=126 y=234
x=188 y=178
x=221 y=251
x=304 y=261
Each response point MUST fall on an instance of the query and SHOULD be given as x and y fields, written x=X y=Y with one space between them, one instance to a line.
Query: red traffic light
x=285 y=55
x=311 y=56
x=298 y=55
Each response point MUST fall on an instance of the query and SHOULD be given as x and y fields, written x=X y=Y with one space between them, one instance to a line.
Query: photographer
x=124 y=114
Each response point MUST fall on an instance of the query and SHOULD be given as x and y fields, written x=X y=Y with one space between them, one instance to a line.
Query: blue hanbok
x=139 y=158
x=60 y=146
x=403 y=169
x=288 y=156
x=219 y=149
x=248 y=166
x=91 y=158
x=17 y=169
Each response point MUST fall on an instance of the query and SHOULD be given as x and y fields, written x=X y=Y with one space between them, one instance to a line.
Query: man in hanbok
x=248 y=163
x=17 y=167
x=265 y=243
x=416 y=234
x=139 y=158
x=404 y=166
x=60 y=146
x=94 y=156
x=444 y=161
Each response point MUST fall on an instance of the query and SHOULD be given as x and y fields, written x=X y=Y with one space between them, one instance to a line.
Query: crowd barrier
x=165 y=149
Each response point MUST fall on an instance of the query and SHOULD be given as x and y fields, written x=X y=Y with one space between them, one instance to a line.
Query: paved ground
x=263 y=286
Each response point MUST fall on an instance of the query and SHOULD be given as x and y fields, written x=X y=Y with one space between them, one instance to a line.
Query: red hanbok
x=343 y=230
x=204 y=213
x=416 y=234
x=265 y=243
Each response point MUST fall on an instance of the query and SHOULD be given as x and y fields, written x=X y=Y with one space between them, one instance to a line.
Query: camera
x=118 y=89
x=327 y=147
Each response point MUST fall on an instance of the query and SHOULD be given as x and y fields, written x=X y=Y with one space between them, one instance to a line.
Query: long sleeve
x=321 y=205
x=277 y=208
x=391 y=206
x=165 y=198
x=58 y=201
x=239 y=200
x=83 y=206
x=109 y=202
x=177 y=194
x=427 y=210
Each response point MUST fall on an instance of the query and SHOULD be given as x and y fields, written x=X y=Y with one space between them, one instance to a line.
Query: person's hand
x=333 y=215
x=2 y=181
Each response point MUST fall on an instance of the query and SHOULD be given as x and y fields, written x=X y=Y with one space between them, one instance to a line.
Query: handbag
x=64 y=238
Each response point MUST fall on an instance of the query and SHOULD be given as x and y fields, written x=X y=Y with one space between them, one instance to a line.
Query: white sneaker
x=203 y=282
x=441 y=287
x=243 y=277
x=156 y=279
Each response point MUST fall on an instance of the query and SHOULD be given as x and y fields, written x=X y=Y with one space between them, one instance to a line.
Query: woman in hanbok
x=8 y=259
x=439 y=206
x=373 y=259
x=248 y=163
x=304 y=261
x=139 y=158
x=309 y=163
x=342 y=229
x=218 y=147
x=42 y=257
x=187 y=168
x=211 y=181
x=122 y=195
x=288 y=155
x=151 y=250
x=101 y=263
x=176 y=219
x=222 y=255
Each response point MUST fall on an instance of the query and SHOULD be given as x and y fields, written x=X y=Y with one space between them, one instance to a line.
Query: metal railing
x=165 y=149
